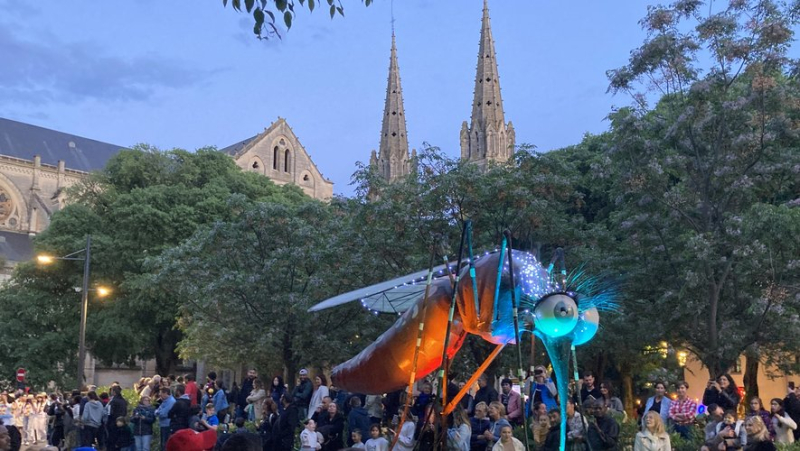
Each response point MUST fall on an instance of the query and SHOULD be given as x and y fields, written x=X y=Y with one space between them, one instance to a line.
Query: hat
x=190 y=440
x=304 y=372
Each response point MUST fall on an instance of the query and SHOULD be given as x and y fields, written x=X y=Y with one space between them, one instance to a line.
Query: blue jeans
x=682 y=430
x=165 y=431
x=142 y=442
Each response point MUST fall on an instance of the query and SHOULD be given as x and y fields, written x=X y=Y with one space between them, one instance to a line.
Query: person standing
x=244 y=392
x=659 y=403
x=512 y=401
x=162 y=413
x=301 y=395
x=792 y=406
x=57 y=412
x=613 y=403
x=179 y=414
x=374 y=406
x=603 y=433
x=320 y=391
x=486 y=393
x=283 y=433
x=276 y=392
x=92 y=417
x=541 y=389
x=723 y=393
x=143 y=417
x=117 y=407
x=358 y=418
x=589 y=390
x=782 y=423
x=255 y=402
x=682 y=411
x=192 y=390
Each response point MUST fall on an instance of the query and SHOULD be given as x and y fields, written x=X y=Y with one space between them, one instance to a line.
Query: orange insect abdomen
x=386 y=364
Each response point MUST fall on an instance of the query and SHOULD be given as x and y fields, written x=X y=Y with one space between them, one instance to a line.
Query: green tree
x=246 y=285
x=144 y=202
x=692 y=172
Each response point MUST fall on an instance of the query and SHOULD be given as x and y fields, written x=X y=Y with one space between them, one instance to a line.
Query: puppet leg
x=452 y=404
x=507 y=240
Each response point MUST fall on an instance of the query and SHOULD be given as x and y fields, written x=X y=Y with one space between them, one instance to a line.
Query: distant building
x=37 y=164
x=277 y=153
x=486 y=138
x=393 y=161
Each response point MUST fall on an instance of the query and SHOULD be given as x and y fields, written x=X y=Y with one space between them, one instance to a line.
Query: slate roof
x=234 y=148
x=21 y=140
x=16 y=247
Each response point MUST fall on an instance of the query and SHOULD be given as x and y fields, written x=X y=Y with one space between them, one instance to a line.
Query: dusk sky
x=160 y=72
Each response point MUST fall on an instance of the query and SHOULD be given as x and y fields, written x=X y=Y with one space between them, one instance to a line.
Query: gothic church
x=486 y=138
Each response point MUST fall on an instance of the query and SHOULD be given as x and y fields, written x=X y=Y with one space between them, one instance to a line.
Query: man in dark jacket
x=301 y=395
x=358 y=418
x=117 y=407
x=604 y=431
x=791 y=404
x=283 y=432
x=486 y=393
x=244 y=392
x=179 y=414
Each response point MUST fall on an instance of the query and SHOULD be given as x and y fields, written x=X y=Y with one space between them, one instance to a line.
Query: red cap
x=189 y=440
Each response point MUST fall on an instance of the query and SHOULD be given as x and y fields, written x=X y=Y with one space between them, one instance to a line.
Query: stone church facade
x=38 y=164
x=278 y=154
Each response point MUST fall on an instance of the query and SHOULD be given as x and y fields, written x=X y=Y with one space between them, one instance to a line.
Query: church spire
x=393 y=160
x=487 y=137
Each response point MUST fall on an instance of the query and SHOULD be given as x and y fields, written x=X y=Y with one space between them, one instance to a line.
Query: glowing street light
x=86 y=259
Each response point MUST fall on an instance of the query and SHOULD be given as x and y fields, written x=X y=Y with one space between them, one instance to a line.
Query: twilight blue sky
x=190 y=74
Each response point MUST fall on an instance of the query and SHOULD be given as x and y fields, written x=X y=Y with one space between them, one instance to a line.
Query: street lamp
x=101 y=291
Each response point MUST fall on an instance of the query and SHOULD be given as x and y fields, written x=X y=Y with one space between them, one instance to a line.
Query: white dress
x=316 y=399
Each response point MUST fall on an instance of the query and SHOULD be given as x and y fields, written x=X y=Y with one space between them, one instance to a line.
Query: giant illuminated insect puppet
x=486 y=296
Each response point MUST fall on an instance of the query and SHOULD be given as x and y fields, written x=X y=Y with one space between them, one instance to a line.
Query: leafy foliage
x=265 y=11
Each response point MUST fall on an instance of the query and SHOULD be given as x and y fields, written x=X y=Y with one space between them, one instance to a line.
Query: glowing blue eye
x=588 y=322
x=556 y=315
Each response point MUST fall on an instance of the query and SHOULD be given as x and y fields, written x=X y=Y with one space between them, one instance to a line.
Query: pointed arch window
x=275 y=158
x=286 y=161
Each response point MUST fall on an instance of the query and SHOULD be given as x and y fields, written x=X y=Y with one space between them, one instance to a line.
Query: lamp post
x=87 y=254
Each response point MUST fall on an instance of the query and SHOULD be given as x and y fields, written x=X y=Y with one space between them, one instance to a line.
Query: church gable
x=279 y=155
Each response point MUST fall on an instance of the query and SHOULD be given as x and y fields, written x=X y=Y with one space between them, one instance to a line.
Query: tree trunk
x=600 y=367
x=751 y=372
x=627 y=389
x=165 y=355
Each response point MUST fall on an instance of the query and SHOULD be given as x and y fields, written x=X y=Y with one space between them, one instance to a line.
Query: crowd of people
x=185 y=416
